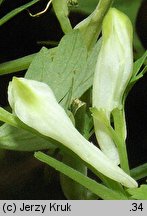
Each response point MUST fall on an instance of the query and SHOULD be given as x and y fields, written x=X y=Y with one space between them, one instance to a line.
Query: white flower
x=112 y=74
x=34 y=104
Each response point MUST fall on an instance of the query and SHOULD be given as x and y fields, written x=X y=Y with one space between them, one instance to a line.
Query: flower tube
x=34 y=104
x=113 y=72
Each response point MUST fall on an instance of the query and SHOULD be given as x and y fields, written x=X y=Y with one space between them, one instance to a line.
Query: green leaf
x=137 y=74
x=20 y=140
x=84 y=79
x=96 y=188
x=70 y=57
x=138 y=193
x=139 y=63
x=16 y=11
x=16 y=65
x=70 y=65
x=139 y=172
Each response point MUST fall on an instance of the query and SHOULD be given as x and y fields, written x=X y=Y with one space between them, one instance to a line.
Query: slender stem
x=16 y=65
x=120 y=130
x=7 y=117
x=61 y=11
x=121 y=145
x=91 y=26
x=139 y=172
x=20 y=64
x=102 y=7
x=16 y=11
x=123 y=156
x=118 y=139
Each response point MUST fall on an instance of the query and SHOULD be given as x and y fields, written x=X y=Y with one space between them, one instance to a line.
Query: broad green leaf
x=41 y=66
x=84 y=80
x=16 y=11
x=138 y=193
x=59 y=72
x=69 y=72
x=96 y=188
x=20 y=140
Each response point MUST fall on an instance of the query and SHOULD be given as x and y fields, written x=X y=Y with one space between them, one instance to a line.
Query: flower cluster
x=35 y=105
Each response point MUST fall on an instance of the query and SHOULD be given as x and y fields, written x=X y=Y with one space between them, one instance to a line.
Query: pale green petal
x=113 y=72
x=34 y=103
x=107 y=145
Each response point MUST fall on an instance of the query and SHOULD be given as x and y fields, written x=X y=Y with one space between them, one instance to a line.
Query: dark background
x=22 y=177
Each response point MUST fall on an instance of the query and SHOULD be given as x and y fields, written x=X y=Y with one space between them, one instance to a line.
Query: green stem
x=61 y=11
x=118 y=139
x=20 y=64
x=91 y=26
x=123 y=156
x=16 y=11
x=96 y=188
x=139 y=172
x=121 y=145
x=8 y=118
x=16 y=65
x=120 y=130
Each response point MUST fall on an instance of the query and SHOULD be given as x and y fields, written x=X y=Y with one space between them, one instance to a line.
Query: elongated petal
x=34 y=103
x=113 y=72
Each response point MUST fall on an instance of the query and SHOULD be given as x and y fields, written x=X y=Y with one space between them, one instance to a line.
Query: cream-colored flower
x=112 y=74
x=34 y=104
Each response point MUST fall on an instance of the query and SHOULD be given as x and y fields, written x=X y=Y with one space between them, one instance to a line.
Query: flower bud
x=112 y=74
x=35 y=104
